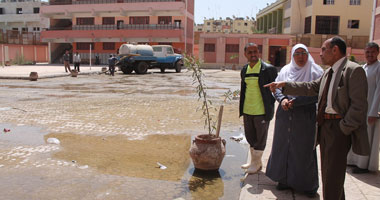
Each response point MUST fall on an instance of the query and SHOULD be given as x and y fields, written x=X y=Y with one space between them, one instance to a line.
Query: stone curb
x=47 y=76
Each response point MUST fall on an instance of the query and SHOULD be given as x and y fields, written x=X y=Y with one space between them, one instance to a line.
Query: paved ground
x=257 y=186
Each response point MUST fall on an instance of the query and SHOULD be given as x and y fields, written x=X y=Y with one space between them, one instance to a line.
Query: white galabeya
x=247 y=165
x=256 y=163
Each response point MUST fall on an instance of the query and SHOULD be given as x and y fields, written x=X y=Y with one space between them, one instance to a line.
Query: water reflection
x=206 y=184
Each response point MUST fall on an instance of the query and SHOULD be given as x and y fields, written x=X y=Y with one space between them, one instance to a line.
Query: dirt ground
x=112 y=133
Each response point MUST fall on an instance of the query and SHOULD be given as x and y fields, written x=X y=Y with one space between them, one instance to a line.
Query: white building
x=22 y=15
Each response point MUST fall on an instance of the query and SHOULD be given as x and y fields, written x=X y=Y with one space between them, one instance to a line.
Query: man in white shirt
x=76 y=60
x=364 y=164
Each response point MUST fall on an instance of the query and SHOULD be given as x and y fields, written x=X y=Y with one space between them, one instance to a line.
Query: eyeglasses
x=300 y=54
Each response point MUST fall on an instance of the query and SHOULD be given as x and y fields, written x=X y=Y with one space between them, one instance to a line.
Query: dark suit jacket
x=349 y=100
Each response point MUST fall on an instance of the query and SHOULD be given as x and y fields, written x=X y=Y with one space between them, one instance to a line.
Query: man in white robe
x=364 y=164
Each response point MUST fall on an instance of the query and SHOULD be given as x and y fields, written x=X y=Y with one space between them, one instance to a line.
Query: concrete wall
x=31 y=53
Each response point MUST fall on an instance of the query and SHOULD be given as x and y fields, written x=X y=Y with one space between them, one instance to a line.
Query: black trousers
x=112 y=69
x=76 y=66
x=334 y=147
x=256 y=131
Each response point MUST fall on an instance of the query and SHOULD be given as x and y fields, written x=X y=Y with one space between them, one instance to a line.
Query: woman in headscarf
x=293 y=160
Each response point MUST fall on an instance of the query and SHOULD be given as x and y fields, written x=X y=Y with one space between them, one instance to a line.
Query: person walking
x=342 y=113
x=364 y=164
x=76 y=59
x=66 y=61
x=293 y=159
x=256 y=104
x=111 y=64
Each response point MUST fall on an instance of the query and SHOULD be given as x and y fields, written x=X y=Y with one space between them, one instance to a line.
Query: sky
x=227 y=8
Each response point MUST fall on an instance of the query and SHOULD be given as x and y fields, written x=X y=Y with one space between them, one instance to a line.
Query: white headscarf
x=293 y=72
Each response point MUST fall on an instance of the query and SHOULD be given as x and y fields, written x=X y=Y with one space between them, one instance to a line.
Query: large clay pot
x=33 y=76
x=207 y=152
x=74 y=73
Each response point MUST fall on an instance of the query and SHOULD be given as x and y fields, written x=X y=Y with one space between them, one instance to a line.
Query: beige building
x=313 y=21
x=228 y=25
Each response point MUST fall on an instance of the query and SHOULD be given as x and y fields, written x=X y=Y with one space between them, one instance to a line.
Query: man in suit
x=256 y=104
x=342 y=109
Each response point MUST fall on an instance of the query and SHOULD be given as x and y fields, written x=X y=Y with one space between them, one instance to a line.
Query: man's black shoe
x=281 y=186
x=358 y=170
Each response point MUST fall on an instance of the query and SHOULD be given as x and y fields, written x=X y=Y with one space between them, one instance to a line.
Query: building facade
x=218 y=49
x=312 y=21
x=228 y=25
x=99 y=27
x=375 y=31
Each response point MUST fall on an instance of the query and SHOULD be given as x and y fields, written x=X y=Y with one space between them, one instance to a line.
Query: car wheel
x=141 y=68
x=178 y=67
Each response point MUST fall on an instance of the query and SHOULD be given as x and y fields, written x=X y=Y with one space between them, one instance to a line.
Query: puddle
x=22 y=135
x=117 y=155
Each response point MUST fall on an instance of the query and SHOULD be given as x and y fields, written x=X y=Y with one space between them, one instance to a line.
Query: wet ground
x=114 y=133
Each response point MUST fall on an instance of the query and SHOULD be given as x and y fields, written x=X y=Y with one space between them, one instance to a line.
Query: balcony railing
x=120 y=27
x=68 y=2
x=16 y=37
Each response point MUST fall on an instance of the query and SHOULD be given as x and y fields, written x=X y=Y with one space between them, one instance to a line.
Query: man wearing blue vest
x=256 y=104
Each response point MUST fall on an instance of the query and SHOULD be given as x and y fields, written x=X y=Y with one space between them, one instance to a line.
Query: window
x=208 y=23
x=327 y=25
x=18 y=10
x=309 y=3
x=353 y=24
x=108 y=20
x=14 y=29
x=85 y=21
x=307 y=25
x=108 y=46
x=209 y=47
x=2 y=11
x=245 y=24
x=36 y=10
x=157 y=49
x=287 y=22
x=328 y=2
x=36 y=28
x=139 y=20
x=85 y=46
x=169 y=50
x=164 y=20
x=232 y=48
x=354 y=2
x=24 y=29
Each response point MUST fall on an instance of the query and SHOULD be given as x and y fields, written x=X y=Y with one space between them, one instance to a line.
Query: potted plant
x=207 y=150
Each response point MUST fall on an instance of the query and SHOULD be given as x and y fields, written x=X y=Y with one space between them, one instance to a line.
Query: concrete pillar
x=265 y=53
x=265 y=24
x=201 y=49
x=279 y=19
x=220 y=50
x=242 y=43
x=48 y=53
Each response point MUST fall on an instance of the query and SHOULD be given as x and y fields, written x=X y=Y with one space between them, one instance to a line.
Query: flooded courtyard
x=114 y=133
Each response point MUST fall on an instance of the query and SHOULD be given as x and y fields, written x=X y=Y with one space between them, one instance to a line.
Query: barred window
x=209 y=48
x=139 y=20
x=354 y=2
x=327 y=25
x=85 y=46
x=328 y=2
x=85 y=21
x=232 y=48
x=108 y=20
x=108 y=46
x=164 y=20
x=307 y=25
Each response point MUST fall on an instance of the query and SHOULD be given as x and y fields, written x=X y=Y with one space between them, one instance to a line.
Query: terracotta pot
x=207 y=152
x=74 y=73
x=33 y=76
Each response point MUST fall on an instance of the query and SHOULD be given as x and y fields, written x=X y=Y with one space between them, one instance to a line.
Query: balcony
x=68 y=2
x=121 y=27
x=90 y=34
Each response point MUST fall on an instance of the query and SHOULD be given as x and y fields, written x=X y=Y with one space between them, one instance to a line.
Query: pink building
x=103 y=25
x=218 y=49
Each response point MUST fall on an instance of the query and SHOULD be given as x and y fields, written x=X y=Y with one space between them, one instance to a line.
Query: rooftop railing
x=121 y=27
x=68 y=2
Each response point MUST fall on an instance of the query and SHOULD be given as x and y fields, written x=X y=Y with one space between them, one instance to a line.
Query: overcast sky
x=227 y=8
